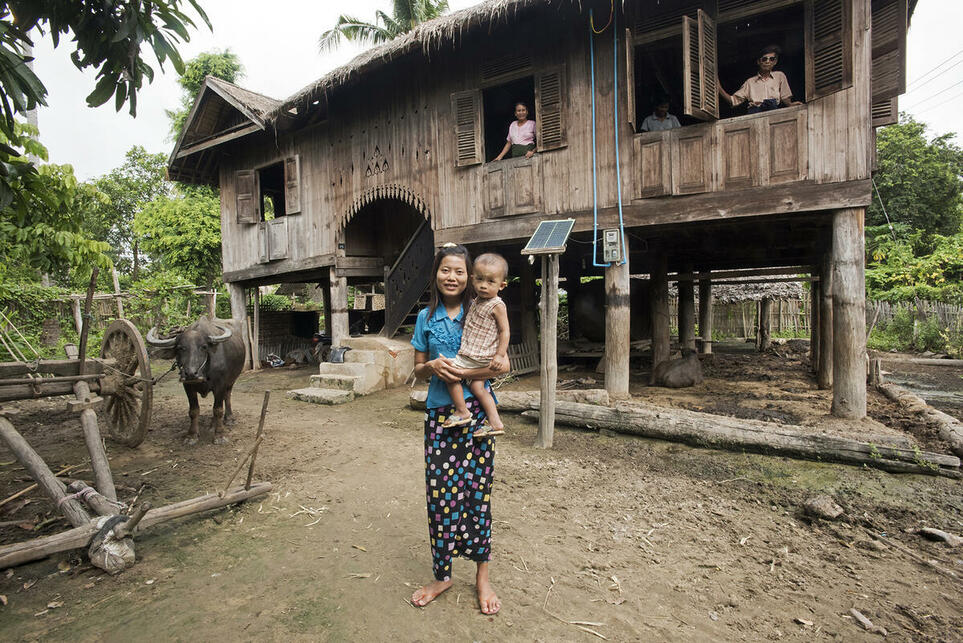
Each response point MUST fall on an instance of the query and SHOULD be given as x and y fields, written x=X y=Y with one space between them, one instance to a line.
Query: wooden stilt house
x=359 y=176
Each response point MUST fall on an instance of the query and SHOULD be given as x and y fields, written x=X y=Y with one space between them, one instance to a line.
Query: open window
x=499 y=111
x=482 y=116
x=265 y=196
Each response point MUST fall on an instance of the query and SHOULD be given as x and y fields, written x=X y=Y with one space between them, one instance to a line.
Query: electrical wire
x=957 y=63
x=941 y=103
x=937 y=67
x=615 y=102
x=611 y=17
x=932 y=96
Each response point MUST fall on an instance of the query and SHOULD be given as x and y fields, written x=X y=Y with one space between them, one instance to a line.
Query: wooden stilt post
x=814 y=288
x=326 y=299
x=659 y=296
x=849 y=315
x=339 y=308
x=256 y=328
x=764 y=333
x=239 y=316
x=686 y=311
x=824 y=376
x=617 y=330
x=705 y=315
x=549 y=351
x=527 y=296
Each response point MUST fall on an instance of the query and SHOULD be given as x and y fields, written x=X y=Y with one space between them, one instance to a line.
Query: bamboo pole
x=258 y=437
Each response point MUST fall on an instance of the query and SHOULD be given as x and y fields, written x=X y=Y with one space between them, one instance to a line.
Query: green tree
x=405 y=16
x=129 y=189
x=107 y=36
x=897 y=271
x=182 y=235
x=220 y=64
x=920 y=181
x=41 y=229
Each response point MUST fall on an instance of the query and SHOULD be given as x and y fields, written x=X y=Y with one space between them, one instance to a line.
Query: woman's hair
x=523 y=104
x=447 y=250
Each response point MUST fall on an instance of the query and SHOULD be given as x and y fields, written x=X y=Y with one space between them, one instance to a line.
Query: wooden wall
x=400 y=137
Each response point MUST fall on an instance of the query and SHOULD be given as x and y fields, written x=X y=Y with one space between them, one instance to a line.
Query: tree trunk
x=722 y=432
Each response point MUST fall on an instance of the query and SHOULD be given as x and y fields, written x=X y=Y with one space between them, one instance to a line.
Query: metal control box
x=611 y=246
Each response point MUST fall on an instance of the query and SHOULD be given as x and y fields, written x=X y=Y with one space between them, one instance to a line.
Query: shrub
x=275 y=303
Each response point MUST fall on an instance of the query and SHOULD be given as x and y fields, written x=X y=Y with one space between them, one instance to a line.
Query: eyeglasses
x=766 y=59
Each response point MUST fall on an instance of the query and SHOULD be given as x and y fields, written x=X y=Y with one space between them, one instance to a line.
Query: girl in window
x=521 y=135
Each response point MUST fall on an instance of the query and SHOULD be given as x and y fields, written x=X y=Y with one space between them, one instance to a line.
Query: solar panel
x=549 y=237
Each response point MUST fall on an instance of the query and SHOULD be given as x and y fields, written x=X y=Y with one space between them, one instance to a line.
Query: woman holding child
x=459 y=444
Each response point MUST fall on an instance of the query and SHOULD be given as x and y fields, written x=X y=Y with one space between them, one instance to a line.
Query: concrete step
x=370 y=377
x=365 y=356
x=339 y=382
x=321 y=395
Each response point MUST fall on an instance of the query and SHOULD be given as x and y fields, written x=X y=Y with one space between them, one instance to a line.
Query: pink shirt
x=521 y=135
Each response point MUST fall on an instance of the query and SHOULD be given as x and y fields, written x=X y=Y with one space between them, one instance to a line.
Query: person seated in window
x=521 y=135
x=660 y=119
x=765 y=91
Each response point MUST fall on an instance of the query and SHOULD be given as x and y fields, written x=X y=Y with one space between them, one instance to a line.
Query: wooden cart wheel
x=127 y=409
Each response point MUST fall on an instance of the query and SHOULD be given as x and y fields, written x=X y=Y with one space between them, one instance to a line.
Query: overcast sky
x=278 y=48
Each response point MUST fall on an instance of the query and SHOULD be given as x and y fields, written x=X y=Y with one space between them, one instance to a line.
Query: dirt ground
x=647 y=540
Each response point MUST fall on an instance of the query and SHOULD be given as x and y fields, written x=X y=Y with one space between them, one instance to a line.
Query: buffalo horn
x=223 y=337
x=159 y=343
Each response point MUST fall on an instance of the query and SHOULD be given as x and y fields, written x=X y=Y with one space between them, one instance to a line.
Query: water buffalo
x=679 y=373
x=210 y=356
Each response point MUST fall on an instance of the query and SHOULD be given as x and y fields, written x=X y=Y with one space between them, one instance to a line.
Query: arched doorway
x=387 y=245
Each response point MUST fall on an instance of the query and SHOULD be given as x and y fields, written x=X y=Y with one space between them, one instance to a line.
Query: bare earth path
x=650 y=541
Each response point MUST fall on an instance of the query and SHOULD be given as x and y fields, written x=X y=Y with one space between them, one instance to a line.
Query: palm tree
x=406 y=15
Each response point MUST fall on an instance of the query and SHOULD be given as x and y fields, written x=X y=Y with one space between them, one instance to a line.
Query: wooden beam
x=60 y=367
x=549 y=351
x=218 y=139
x=705 y=315
x=711 y=206
x=617 y=330
x=239 y=316
x=849 y=315
x=279 y=270
x=95 y=445
x=659 y=302
x=339 y=308
x=747 y=272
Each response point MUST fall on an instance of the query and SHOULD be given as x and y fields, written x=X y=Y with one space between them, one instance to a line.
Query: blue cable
x=615 y=97
x=618 y=170
x=595 y=182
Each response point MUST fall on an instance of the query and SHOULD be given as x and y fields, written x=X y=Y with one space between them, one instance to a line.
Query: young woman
x=521 y=135
x=458 y=469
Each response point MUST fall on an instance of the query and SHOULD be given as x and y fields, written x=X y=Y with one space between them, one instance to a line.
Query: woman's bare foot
x=429 y=592
x=487 y=600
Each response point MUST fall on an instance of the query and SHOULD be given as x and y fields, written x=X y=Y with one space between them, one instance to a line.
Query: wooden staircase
x=408 y=279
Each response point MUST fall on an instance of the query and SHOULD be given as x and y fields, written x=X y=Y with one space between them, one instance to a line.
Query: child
x=484 y=342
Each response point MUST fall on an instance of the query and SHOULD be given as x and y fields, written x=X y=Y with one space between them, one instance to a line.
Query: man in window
x=767 y=90
x=660 y=119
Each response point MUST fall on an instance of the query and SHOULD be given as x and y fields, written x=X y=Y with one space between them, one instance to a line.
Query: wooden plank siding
x=402 y=137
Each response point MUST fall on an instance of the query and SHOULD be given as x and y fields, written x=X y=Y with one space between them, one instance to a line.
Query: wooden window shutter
x=278 y=238
x=699 y=56
x=889 y=48
x=829 y=47
x=885 y=112
x=630 y=79
x=549 y=105
x=263 y=242
x=292 y=184
x=247 y=197
x=466 y=108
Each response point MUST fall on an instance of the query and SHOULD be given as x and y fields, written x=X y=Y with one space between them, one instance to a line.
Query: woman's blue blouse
x=439 y=336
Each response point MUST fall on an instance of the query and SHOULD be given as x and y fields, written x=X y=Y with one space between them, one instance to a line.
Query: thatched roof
x=258 y=104
x=427 y=38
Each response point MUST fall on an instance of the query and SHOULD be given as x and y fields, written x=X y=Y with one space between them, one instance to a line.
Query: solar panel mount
x=549 y=237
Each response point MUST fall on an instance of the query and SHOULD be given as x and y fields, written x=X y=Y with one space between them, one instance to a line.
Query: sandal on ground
x=487 y=430
x=453 y=421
